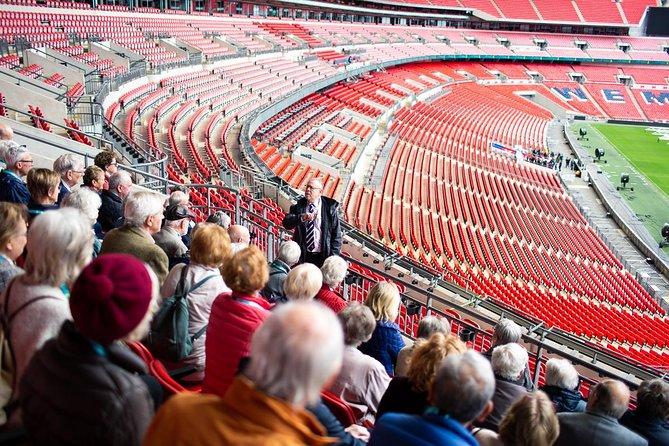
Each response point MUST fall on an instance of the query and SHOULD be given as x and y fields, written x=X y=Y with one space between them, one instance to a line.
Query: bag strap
x=184 y=288
x=199 y=333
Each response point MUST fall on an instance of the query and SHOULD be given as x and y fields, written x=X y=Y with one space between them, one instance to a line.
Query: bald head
x=313 y=190
x=610 y=397
x=239 y=234
x=6 y=132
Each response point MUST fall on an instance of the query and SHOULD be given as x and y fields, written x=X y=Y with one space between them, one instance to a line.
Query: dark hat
x=110 y=297
x=177 y=212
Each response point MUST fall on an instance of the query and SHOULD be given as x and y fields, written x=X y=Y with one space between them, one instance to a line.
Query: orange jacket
x=244 y=417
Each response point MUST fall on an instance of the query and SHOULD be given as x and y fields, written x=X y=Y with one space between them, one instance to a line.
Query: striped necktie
x=311 y=242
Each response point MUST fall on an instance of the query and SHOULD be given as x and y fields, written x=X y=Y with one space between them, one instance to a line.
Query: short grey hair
x=430 y=325
x=610 y=398
x=509 y=360
x=295 y=352
x=5 y=145
x=60 y=244
x=84 y=199
x=141 y=205
x=14 y=154
x=303 y=282
x=358 y=323
x=289 y=252
x=120 y=177
x=507 y=331
x=67 y=162
x=561 y=373
x=463 y=385
x=177 y=197
x=334 y=270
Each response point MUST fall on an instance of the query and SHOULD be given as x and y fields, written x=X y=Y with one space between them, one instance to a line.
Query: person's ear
x=487 y=410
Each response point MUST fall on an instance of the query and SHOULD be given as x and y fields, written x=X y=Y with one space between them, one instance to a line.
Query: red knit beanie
x=111 y=297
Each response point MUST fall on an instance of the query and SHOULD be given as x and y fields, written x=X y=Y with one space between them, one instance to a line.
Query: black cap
x=177 y=212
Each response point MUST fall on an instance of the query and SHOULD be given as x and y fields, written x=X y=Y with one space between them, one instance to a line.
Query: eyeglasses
x=27 y=161
x=313 y=188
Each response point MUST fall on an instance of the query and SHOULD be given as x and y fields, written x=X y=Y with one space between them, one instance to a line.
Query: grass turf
x=642 y=149
x=636 y=151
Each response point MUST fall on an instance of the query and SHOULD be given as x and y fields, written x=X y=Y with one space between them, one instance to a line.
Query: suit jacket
x=506 y=393
x=591 y=429
x=330 y=226
x=134 y=241
x=111 y=211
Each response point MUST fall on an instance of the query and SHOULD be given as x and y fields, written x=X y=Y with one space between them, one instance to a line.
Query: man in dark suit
x=315 y=221
x=599 y=426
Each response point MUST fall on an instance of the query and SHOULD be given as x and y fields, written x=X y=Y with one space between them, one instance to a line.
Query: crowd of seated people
x=265 y=347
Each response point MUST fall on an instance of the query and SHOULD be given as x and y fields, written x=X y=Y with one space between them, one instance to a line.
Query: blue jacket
x=565 y=400
x=384 y=345
x=12 y=188
x=412 y=430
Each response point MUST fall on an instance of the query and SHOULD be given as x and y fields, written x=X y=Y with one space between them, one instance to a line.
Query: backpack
x=7 y=358
x=168 y=337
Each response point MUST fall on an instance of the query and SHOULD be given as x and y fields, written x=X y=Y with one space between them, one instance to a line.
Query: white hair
x=84 y=199
x=14 y=153
x=507 y=331
x=177 y=197
x=67 y=162
x=334 y=270
x=561 y=373
x=141 y=205
x=119 y=178
x=5 y=145
x=296 y=351
x=509 y=360
x=303 y=282
x=289 y=252
x=463 y=385
x=60 y=244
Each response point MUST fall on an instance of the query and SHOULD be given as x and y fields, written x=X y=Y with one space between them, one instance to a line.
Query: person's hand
x=358 y=432
x=308 y=217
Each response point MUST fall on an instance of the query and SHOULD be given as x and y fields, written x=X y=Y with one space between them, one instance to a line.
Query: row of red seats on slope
x=75 y=133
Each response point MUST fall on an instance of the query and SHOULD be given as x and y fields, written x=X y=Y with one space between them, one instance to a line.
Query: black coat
x=400 y=397
x=656 y=431
x=71 y=395
x=111 y=211
x=330 y=226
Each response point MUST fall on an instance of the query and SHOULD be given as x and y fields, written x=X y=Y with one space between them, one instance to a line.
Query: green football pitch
x=638 y=152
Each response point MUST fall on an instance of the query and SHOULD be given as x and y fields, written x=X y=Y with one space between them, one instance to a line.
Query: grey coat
x=591 y=429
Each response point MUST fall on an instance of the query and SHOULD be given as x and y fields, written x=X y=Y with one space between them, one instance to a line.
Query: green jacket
x=134 y=241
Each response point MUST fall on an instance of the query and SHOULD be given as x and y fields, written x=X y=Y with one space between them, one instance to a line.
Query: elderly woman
x=60 y=244
x=508 y=363
x=386 y=341
x=289 y=255
x=410 y=394
x=13 y=232
x=530 y=421
x=234 y=318
x=94 y=179
x=88 y=202
x=209 y=249
x=362 y=380
x=561 y=386
x=428 y=326
x=303 y=282
x=44 y=185
x=71 y=169
x=84 y=387
x=334 y=271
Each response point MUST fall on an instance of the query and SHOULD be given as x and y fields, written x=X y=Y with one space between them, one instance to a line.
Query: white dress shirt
x=317 y=225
